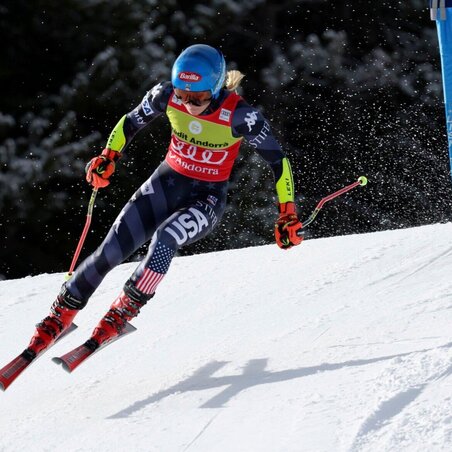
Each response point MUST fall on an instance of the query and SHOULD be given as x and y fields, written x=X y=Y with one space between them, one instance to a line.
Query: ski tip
x=5 y=384
x=58 y=361
x=128 y=328
x=71 y=327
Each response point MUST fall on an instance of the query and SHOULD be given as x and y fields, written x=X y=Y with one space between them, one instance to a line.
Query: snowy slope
x=342 y=344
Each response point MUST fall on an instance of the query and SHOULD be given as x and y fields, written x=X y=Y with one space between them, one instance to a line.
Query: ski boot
x=124 y=308
x=62 y=313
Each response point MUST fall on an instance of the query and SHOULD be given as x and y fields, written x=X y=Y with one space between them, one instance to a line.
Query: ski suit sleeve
x=153 y=105
x=249 y=123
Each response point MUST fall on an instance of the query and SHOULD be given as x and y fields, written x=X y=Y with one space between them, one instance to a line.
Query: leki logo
x=190 y=76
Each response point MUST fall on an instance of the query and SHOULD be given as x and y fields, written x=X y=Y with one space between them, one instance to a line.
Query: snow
x=341 y=344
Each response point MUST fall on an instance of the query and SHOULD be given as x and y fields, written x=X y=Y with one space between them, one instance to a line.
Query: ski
x=71 y=360
x=13 y=369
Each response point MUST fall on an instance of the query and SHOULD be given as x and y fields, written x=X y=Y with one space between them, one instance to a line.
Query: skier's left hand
x=288 y=228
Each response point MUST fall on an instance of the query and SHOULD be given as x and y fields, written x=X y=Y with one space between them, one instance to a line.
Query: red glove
x=100 y=168
x=288 y=228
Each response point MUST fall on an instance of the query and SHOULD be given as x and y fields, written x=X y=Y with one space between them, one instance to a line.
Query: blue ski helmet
x=199 y=68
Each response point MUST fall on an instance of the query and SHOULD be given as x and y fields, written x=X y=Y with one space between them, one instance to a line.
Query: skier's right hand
x=288 y=228
x=100 y=168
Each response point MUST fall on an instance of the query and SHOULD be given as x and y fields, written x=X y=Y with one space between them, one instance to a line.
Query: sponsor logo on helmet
x=190 y=76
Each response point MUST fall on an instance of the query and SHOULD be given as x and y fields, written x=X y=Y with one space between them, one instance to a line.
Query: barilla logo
x=190 y=76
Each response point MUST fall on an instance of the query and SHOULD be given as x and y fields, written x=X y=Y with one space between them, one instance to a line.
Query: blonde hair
x=233 y=79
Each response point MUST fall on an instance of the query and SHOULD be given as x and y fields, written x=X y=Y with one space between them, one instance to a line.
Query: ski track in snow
x=395 y=405
x=342 y=344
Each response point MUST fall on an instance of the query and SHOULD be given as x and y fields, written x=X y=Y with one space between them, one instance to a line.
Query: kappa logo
x=156 y=90
x=250 y=120
x=187 y=225
x=195 y=127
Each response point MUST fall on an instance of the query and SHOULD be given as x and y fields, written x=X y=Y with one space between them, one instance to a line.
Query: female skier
x=184 y=199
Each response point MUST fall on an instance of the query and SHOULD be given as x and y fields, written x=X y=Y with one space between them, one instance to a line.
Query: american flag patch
x=149 y=281
x=156 y=269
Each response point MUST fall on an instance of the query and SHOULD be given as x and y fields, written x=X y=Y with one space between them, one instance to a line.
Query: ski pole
x=84 y=233
x=362 y=180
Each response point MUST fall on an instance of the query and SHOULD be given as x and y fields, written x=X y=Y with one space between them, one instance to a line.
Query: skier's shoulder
x=247 y=119
x=157 y=97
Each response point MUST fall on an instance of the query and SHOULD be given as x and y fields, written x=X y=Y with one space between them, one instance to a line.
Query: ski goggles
x=197 y=98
